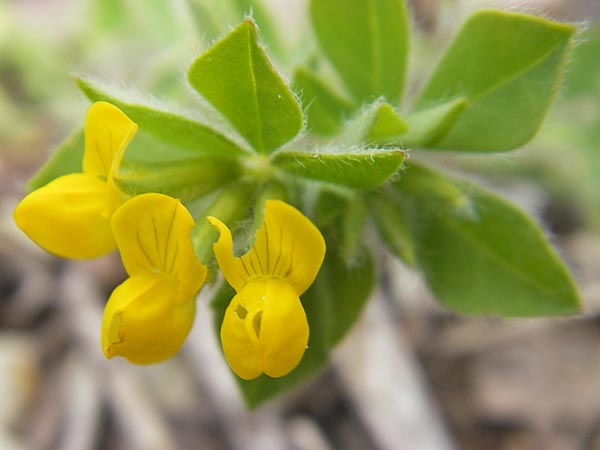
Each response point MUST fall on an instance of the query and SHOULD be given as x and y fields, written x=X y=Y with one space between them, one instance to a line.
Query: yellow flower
x=150 y=314
x=265 y=328
x=70 y=216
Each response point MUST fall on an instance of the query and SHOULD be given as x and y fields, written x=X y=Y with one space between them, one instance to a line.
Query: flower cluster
x=148 y=316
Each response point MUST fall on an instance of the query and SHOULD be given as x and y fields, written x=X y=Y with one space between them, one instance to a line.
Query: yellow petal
x=287 y=245
x=283 y=329
x=68 y=217
x=264 y=329
x=144 y=322
x=239 y=340
x=153 y=235
x=231 y=267
x=107 y=132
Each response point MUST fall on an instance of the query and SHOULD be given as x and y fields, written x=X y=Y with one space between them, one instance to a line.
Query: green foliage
x=377 y=123
x=490 y=92
x=479 y=253
x=392 y=225
x=174 y=128
x=359 y=169
x=238 y=79
x=325 y=109
x=507 y=67
x=186 y=179
x=386 y=125
x=367 y=42
x=429 y=126
x=214 y=17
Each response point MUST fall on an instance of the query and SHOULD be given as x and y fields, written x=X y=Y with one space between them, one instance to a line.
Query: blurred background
x=410 y=375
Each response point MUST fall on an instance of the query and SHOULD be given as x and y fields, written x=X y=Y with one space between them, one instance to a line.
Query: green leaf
x=171 y=127
x=209 y=17
x=108 y=15
x=479 y=253
x=359 y=169
x=213 y=17
x=583 y=76
x=387 y=125
x=238 y=79
x=325 y=108
x=332 y=306
x=367 y=42
x=261 y=15
x=67 y=158
x=351 y=227
x=152 y=165
x=377 y=123
x=508 y=67
x=429 y=126
x=326 y=202
x=392 y=225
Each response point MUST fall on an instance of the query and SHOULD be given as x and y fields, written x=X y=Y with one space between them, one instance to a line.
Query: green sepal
x=272 y=190
x=229 y=206
x=332 y=305
x=358 y=169
x=508 y=67
x=67 y=158
x=326 y=202
x=392 y=225
x=325 y=109
x=174 y=128
x=367 y=42
x=481 y=254
x=237 y=78
x=351 y=227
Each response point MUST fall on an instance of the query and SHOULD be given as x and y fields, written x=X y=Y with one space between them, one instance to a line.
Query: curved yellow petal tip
x=107 y=132
x=231 y=267
x=142 y=321
x=68 y=217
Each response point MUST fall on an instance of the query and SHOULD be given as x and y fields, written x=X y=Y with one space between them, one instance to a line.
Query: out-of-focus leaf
x=479 y=253
x=67 y=158
x=392 y=225
x=267 y=26
x=583 y=75
x=171 y=127
x=325 y=109
x=367 y=42
x=213 y=17
x=359 y=169
x=238 y=79
x=109 y=14
x=351 y=227
x=508 y=67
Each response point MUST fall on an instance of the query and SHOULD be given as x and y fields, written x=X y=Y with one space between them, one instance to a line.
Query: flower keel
x=265 y=329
